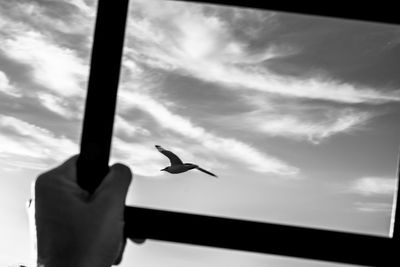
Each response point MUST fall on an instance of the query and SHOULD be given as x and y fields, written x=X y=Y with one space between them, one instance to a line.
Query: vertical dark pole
x=102 y=90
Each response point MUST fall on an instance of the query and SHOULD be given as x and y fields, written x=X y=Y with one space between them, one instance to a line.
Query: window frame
x=244 y=235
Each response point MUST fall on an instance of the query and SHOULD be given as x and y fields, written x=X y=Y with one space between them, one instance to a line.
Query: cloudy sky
x=297 y=115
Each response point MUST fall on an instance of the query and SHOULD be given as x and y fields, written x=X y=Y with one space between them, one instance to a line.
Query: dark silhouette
x=177 y=166
x=73 y=227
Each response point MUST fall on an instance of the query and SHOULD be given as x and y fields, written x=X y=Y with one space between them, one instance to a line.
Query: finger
x=119 y=178
x=138 y=241
x=116 y=183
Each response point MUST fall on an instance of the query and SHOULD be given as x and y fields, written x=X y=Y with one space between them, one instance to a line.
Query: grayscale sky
x=297 y=115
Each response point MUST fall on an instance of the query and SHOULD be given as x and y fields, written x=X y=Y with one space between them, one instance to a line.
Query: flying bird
x=177 y=166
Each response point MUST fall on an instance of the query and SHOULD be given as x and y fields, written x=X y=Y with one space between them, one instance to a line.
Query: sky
x=297 y=115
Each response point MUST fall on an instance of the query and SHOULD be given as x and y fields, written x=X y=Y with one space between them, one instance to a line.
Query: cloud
x=58 y=105
x=128 y=129
x=143 y=157
x=298 y=127
x=53 y=66
x=374 y=207
x=46 y=38
x=227 y=148
x=6 y=87
x=25 y=145
x=201 y=41
x=68 y=17
x=86 y=7
x=182 y=37
x=371 y=186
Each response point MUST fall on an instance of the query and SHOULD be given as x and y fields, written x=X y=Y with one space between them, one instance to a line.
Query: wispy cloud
x=59 y=105
x=6 y=87
x=310 y=122
x=299 y=128
x=46 y=38
x=184 y=38
x=374 y=207
x=68 y=17
x=370 y=186
x=228 y=148
x=54 y=67
x=198 y=41
x=86 y=7
x=37 y=147
x=125 y=128
x=143 y=158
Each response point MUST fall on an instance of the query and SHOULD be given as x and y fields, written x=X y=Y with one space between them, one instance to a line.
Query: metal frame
x=206 y=230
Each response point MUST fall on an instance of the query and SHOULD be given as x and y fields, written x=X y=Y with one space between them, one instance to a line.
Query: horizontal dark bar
x=383 y=11
x=259 y=237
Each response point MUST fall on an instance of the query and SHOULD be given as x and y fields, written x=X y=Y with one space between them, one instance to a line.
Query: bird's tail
x=203 y=170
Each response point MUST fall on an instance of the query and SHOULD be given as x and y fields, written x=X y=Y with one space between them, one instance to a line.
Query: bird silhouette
x=177 y=166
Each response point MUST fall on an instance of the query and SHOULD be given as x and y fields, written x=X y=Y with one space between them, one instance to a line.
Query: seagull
x=177 y=166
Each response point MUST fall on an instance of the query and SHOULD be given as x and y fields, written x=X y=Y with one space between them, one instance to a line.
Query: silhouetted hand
x=74 y=228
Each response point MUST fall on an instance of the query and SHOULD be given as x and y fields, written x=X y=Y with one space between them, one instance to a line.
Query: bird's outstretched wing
x=172 y=157
x=203 y=170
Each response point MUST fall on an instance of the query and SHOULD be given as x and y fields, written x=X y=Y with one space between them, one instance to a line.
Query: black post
x=259 y=237
x=101 y=97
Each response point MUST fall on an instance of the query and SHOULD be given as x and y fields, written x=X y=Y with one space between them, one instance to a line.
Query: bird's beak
x=162 y=170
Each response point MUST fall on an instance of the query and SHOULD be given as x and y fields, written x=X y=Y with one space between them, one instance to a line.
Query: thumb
x=116 y=183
